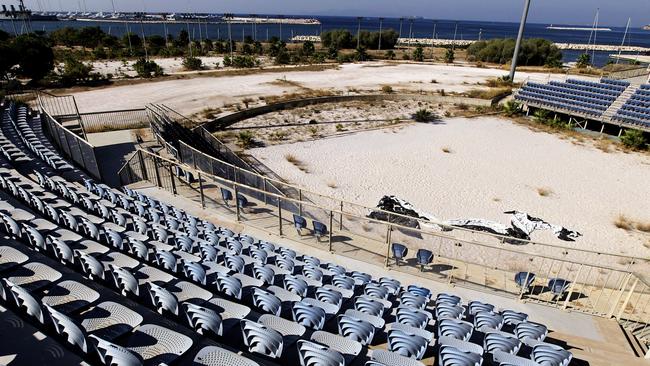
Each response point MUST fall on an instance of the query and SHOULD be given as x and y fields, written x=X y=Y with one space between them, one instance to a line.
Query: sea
x=413 y=27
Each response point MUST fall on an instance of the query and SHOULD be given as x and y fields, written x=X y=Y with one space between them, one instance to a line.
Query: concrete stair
x=619 y=102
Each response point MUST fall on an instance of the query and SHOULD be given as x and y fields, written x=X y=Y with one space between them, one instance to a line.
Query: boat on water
x=22 y=13
x=584 y=29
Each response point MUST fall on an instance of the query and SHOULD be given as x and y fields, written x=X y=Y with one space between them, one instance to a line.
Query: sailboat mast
x=593 y=49
x=627 y=27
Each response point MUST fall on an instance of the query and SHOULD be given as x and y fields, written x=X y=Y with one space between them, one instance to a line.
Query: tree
x=192 y=63
x=90 y=37
x=308 y=48
x=418 y=54
x=633 y=139
x=584 y=60
x=183 y=39
x=360 y=54
x=534 y=52
x=8 y=58
x=65 y=36
x=74 y=71
x=135 y=42
x=450 y=56
x=34 y=56
x=338 y=38
x=147 y=69
x=277 y=47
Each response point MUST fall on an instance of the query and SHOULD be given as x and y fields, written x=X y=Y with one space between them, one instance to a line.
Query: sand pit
x=190 y=96
x=479 y=168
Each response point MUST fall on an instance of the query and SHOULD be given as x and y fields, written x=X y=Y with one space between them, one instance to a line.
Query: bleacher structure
x=611 y=102
x=122 y=278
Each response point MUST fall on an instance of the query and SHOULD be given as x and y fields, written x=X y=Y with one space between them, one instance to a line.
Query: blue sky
x=612 y=12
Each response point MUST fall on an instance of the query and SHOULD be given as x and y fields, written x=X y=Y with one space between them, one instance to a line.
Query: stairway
x=73 y=124
x=619 y=102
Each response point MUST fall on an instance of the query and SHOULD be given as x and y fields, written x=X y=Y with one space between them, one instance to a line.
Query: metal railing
x=114 y=120
x=602 y=290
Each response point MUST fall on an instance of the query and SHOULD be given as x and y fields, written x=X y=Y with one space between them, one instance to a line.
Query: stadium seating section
x=578 y=96
x=122 y=278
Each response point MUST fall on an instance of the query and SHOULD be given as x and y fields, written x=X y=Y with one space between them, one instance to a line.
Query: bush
x=533 y=52
x=34 y=56
x=343 y=39
x=418 y=54
x=74 y=71
x=633 y=139
x=192 y=63
x=390 y=54
x=424 y=115
x=387 y=89
x=450 y=56
x=511 y=107
x=584 y=61
x=246 y=139
x=147 y=69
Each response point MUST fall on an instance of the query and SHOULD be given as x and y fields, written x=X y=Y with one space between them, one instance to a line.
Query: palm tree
x=541 y=115
x=583 y=61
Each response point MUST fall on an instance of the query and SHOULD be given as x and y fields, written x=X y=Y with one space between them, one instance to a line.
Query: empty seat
x=452 y=356
x=217 y=356
x=356 y=329
x=388 y=358
x=313 y=354
x=455 y=328
x=407 y=344
x=262 y=340
x=424 y=258
x=349 y=348
x=151 y=344
x=501 y=341
x=308 y=315
x=551 y=355
x=400 y=252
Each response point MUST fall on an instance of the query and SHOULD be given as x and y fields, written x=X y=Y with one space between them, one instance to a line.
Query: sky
x=612 y=12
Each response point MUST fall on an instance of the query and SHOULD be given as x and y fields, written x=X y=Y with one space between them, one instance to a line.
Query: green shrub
x=387 y=89
x=418 y=54
x=246 y=139
x=634 y=139
x=192 y=63
x=424 y=115
x=533 y=52
x=147 y=69
x=450 y=56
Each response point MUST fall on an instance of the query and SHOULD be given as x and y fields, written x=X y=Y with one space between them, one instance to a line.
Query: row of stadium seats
x=147 y=283
x=577 y=96
x=637 y=109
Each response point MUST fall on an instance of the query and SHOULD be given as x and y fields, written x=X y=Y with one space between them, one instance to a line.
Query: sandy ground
x=324 y=120
x=119 y=68
x=492 y=166
x=189 y=96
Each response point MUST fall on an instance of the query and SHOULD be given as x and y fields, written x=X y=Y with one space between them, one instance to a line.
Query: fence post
x=155 y=164
x=331 y=229
x=171 y=174
x=143 y=166
x=627 y=299
x=618 y=297
x=568 y=298
x=300 y=202
x=265 y=195
x=236 y=201
x=201 y=190
x=389 y=231
x=280 y=214
x=341 y=217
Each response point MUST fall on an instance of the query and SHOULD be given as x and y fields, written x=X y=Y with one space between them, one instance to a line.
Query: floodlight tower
x=520 y=35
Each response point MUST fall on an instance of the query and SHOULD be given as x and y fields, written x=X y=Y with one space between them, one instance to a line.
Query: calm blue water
x=422 y=28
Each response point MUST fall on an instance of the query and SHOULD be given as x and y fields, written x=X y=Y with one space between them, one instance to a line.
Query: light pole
x=433 y=39
x=228 y=18
x=359 y=32
x=381 y=20
x=520 y=35
x=410 y=28
x=401 y=21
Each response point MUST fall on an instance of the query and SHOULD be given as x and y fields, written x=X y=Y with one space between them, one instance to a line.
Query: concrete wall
x=230 y=119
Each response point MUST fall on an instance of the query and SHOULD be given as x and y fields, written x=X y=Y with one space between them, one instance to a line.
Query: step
x=639 y=348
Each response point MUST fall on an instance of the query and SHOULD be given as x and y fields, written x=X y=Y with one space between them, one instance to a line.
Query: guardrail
x=595 y=289
x=114 y=120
